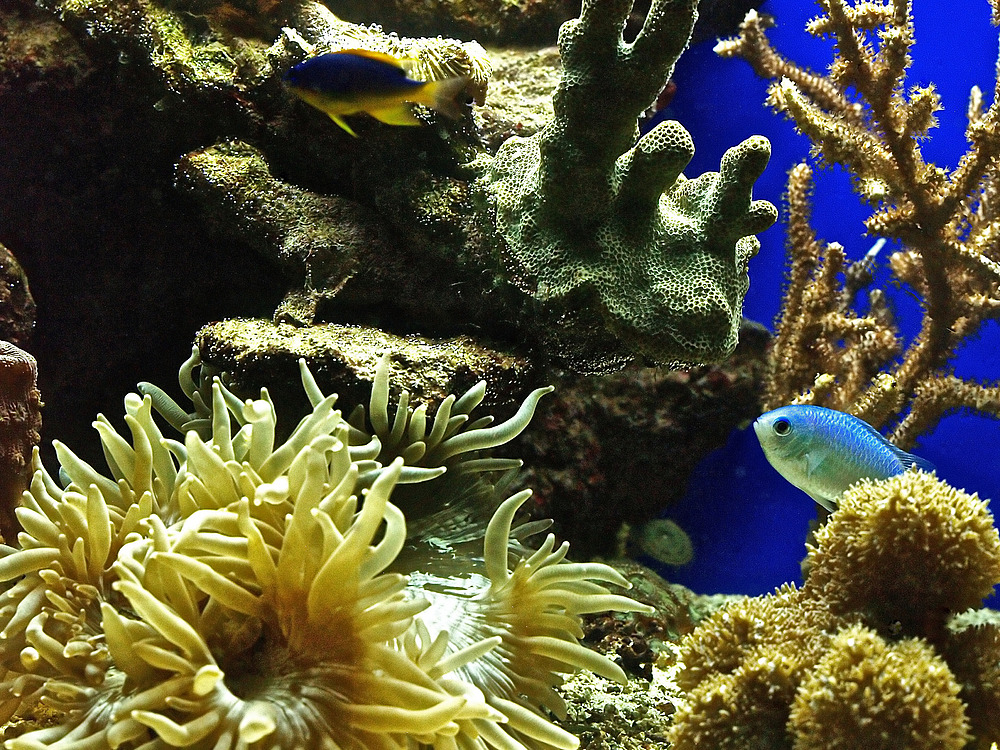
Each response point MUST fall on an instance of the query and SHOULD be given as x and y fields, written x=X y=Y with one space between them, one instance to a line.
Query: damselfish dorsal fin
x=910 y=461
x=381 y=57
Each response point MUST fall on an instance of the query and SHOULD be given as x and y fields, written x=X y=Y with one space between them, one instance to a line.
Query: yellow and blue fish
x=359 y=80
x=823 y=451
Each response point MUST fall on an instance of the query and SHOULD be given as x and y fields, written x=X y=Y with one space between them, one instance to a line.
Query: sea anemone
x=225 y=592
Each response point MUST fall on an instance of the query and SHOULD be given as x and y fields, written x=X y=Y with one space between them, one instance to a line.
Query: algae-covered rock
x=517 y=22
x=17 y=306
x=519 y=100
x=315 y=238
x=36 y=49
x=343 y=359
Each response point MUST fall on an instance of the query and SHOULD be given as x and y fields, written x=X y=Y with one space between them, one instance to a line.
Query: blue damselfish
x=358 y=80
x=823 y=451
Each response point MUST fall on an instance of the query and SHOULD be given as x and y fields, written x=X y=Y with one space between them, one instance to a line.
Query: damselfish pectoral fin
x=814 y=460
x=399 y=114
x=337 y=119
x=449 y=97
x=829 y=504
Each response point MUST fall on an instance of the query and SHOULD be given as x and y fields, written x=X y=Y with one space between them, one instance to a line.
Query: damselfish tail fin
x=449 y=97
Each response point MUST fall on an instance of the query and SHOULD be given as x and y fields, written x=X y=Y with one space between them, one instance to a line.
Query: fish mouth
x=758 y=427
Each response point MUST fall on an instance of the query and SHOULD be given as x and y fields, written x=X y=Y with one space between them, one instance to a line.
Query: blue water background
x=747 y=524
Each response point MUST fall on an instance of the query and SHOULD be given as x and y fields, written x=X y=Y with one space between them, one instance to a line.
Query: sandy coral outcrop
x=860 y=655
x=905 y=553
x=344 y=360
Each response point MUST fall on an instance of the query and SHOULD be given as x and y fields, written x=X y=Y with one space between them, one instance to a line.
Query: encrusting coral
x=863 y=116
x=600 y=226
x=860 y=655
x=17 y=306
x=20 y=421
x=226 y=592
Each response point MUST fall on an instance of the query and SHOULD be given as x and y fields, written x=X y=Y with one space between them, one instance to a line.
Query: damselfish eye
x=782 y=427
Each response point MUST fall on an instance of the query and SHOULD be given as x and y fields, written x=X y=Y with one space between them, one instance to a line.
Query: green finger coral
x=228 y=590
x=593 y=217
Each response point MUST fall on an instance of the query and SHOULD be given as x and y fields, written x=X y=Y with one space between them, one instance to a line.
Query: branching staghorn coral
x=593 y=217
x=226 y=592
x=862 y=116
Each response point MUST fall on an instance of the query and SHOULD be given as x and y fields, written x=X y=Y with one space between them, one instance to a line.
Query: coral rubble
x=600 y=226
x=864 y=116
x=228 y=590
x=862 y=649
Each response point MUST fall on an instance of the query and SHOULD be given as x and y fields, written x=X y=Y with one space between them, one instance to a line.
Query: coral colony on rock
x=880 y=304
x=259 y=570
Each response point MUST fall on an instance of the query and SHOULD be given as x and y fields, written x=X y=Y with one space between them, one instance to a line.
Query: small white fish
x=823 y=452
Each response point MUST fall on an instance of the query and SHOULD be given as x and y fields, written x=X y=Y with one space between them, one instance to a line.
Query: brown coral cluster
x=860 y=655
x=20 y=421
x=863 y=116
x=937 y=545
x=862 y=676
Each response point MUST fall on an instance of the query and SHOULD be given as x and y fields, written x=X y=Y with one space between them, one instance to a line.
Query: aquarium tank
x=499 y=374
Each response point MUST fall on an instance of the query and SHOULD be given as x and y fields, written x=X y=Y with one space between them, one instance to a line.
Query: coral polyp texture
x=939 y=542
x=228 y=591
x=860 y=655
x=594 y=217
x=862 y=676
x=20 y=421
